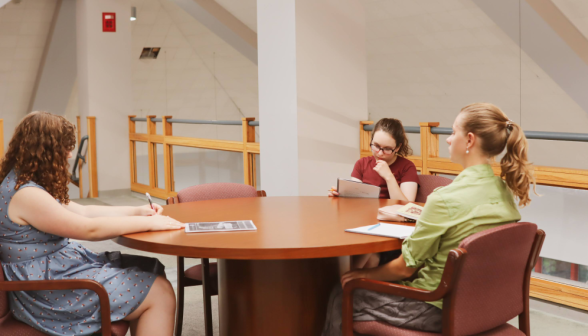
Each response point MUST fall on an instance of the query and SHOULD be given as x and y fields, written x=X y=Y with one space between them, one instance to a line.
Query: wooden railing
x=248 y=147
x=1 y=138
x=429 y=163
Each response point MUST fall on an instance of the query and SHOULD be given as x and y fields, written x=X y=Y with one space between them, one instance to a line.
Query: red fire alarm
x=109 y=22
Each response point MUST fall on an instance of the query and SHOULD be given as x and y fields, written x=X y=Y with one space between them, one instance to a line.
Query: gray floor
x=542 y=323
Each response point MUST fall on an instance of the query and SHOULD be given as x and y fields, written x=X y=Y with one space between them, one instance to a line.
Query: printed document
x=353 y=188
x=227 y=226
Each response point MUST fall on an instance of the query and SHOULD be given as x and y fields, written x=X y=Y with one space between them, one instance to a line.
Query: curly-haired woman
x=36 y=221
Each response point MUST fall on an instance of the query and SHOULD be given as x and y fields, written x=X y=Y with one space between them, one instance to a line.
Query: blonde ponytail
x=496 y=132
x=515 y=168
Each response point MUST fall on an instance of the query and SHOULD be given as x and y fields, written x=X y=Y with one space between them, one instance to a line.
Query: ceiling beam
x=224 y=24
x=562 y=26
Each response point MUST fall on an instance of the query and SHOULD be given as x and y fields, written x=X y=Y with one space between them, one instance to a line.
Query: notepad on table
x=356 y=188
x=385 y=230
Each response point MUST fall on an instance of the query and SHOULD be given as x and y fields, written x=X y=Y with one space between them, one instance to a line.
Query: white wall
x=332 y=90
x=23 y=33
x=196 y=76
x=105 y=86
x=429 y=59
x=312 y=76
x=59 y=69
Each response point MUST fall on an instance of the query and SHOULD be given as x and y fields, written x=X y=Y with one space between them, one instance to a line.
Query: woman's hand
x=383 y=170
x=357 y=274
x=145 y=210
x=162 y=223
x=333 y=192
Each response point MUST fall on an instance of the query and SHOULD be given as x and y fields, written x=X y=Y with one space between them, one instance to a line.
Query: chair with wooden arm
x=484 y=285
x=204 y=274
x=11 y=326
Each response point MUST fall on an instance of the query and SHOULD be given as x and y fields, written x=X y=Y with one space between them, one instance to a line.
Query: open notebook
x=385 y=230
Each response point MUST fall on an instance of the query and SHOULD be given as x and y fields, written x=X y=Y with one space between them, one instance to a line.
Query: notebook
x=385 y=230
x=411 y=211
x=227 y=226
x=356 y=188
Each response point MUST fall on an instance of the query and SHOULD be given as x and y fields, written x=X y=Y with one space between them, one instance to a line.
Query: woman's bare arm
x=409 y=190
x=395 y=270
x=33 y=206
x=112 y=211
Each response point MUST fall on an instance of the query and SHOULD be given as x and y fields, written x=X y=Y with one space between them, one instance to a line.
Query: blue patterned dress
x=29 y=254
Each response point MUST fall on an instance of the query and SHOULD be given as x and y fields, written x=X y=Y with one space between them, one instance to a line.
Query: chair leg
x=206 y=296
x=180 y=299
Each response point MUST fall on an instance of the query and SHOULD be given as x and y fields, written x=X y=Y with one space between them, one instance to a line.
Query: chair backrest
x=4 y=304
x=490 y=287
x=428 y=183
x=80 y=155
x=211 y=191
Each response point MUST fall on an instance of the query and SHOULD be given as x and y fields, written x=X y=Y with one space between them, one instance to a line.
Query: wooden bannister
x=248 y=147
x=429 y=163
x=92 y=158
x=1 y=138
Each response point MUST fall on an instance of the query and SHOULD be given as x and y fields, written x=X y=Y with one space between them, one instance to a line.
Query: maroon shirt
x=403 y=169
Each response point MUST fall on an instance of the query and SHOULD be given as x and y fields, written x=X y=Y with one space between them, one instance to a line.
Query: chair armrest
x=452 y=267
x=10 y=286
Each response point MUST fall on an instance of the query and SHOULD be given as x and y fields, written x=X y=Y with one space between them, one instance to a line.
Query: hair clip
x=509 y=126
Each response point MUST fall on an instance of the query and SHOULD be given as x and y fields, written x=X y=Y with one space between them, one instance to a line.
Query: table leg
x=275 y=297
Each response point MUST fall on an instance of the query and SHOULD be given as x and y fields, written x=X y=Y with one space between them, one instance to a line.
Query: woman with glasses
x=388 y=168
x=391 y=171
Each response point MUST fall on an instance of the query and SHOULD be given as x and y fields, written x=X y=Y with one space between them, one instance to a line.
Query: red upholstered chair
x=11 y=326
x=485 y=284
x=428 y=183
x=205 y=274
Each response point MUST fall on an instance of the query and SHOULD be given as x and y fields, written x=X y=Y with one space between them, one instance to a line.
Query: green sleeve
x=432 y=224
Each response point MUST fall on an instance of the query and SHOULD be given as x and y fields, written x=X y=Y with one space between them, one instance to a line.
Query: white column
x=105 y=86
x=312 y=92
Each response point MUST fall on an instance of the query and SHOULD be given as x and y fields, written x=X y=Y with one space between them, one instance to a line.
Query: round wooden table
x=276 y=280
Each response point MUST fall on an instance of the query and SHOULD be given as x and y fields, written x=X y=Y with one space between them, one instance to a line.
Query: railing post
x=80 y=161
x=429 y=145
x=92 y=159
x=249 y=174
x=151 y=152
x=365 y=138
x=1 y=138
x=132 y=150
x=168 y=156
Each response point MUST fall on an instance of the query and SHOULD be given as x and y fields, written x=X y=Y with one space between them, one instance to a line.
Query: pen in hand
x=150 y=203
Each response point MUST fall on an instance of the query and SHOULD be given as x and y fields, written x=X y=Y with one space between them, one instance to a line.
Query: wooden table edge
x=261 y=254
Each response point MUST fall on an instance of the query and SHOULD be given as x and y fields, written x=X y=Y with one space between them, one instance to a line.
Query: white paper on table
x=385 y=230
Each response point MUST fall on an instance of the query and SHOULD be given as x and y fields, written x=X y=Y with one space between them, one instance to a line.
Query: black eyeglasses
x=385 y=150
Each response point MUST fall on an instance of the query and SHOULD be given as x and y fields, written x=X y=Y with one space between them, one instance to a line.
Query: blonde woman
x=476 y=200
